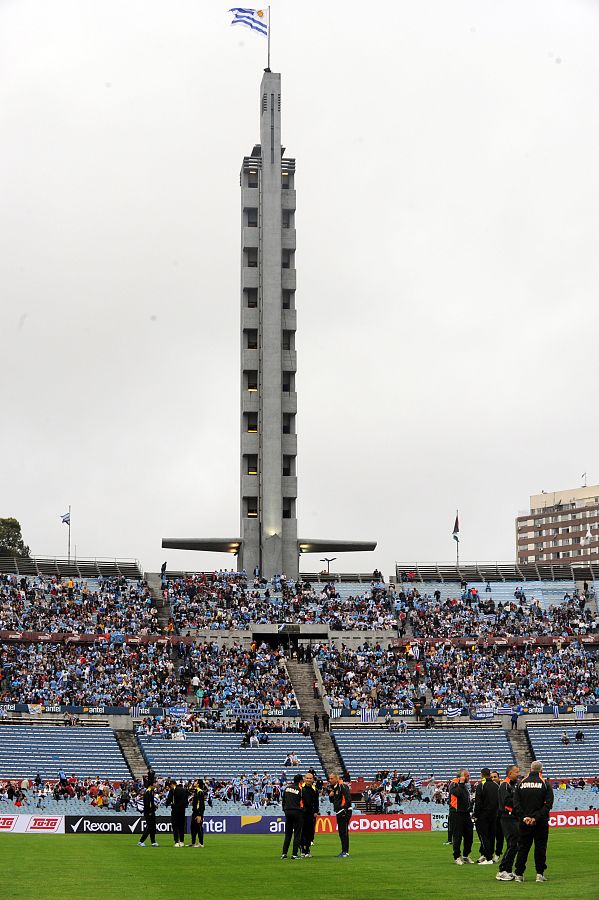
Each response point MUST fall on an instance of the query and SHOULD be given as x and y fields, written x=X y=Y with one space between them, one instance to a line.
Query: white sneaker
x=540 y=878
x=495 y=858
x=480 y=859
x=468 y=861
x=155 y=845
x=459 y=861
x=504 y=876
x=519 y=878
x=139 y=844
x=485 y=862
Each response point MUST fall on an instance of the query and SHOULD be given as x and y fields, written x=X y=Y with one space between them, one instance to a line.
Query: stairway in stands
x=302 y=677
x=522 y=749
x=163 y=606
x=133 y=755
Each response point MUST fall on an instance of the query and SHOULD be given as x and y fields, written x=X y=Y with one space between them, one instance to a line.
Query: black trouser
x=293 y=828
x=498 y=836
x=462 y=828
x=526 y=835
x=178 y=823
x=510 y=831
x=197 y=830
x=308 y=823
x=343 y=820
x=450 y=826
x=485 y=826
x=149 y=830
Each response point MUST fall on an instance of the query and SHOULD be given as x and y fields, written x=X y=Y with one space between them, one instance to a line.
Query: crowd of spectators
x=206 y=676
x=369 y=676
x=52 y=605
x=89 y=675
x=477 y=615
x=228 y=601
x=216 y=677
x=511 y=675
x=253 y=790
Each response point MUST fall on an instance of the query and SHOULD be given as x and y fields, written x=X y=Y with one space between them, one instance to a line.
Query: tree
x=11 y=539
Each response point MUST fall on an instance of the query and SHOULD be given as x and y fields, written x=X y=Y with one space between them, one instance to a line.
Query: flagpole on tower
x=457 y=545
x=268 y=41
x=69 y=547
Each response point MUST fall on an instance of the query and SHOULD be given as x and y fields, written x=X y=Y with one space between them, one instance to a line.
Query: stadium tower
x=268 y=477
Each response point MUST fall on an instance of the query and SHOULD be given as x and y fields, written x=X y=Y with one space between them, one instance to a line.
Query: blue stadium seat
x=566 y=760
x=423 y=752
x=85 y=752
x=209 y=754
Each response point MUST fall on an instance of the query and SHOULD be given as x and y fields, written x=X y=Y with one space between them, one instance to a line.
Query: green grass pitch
x=103 y=867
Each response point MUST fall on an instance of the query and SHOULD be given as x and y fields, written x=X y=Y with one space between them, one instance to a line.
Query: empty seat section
x=207 y=755
x=85 y=752
x=423 y=752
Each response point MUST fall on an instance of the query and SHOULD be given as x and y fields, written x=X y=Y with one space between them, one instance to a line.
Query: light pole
x=328 y=562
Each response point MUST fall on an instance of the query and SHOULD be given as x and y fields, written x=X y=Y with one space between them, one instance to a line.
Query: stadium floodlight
x=328 y=562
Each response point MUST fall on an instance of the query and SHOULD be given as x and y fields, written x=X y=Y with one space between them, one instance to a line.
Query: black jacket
x=292 y=799
x=177 y=798
x=506 y=798
x=149 y=802
x=459 y=797
x=198 y=802
x=340 y=797
x=486 y=799
x=310 y=799
x=533 y=798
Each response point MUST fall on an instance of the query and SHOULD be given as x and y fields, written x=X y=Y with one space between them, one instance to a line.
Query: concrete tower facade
x=268 y=357
x=268 y=477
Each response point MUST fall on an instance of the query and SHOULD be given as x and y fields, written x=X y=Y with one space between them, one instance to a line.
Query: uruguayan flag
x=369 y=715
x=504 y=710
x=256 y=19
x=335 y=712
x=452 y=711
x=66 y=519
x=579 y=711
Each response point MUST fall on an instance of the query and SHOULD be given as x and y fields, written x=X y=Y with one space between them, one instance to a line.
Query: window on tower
x=251 y=298
x=251 y=338
x=251 y=257
x=287 y=218
x=287 y=258
x=252 y=178
x=252 y=464
x=252 y=218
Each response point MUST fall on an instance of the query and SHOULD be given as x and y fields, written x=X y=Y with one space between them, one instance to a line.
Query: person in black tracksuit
x=340 y=797
x=198 y=808
x=509 y=822
x=149 y=816
x=293 y=809
x=498 y=839
x=533 y=799
x=485 y=814
x=177 y=800
x=459 y=804
x=309 y=812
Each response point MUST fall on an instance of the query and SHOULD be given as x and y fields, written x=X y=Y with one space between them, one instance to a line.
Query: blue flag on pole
x=254 y=19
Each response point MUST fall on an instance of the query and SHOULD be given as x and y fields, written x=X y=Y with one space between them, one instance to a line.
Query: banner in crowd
x=136 y=711
x=483 y=713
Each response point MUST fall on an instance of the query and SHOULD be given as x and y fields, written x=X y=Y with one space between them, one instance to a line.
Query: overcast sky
x=448 y=268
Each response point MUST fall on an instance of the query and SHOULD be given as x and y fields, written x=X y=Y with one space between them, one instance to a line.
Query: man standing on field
x=459 y=804
x=533 y=799
x=340 y=797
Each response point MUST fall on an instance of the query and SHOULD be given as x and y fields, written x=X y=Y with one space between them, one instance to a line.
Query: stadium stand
x=88 y=752
x=559 y=759
x=101 y=605
x=369 y=675
x=422 y=753
x=74 y=568
x=200 y=753
x=221 y=601
x=89 y=675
